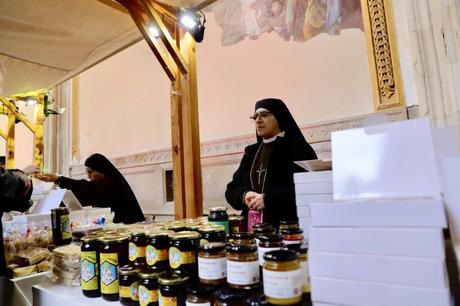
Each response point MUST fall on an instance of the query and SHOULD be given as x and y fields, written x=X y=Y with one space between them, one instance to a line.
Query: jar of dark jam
x=172 y=287
x=292 y=235
x=242 y=266
x=212 y=233
x=157 y=250
x=183 y=248
x=89 y=266
x=212 y=263
x=128 y=277
x=137 y=245
x=237 y=224
x=288 y=224
x=218 y=216
x=199 y=294
x=148 y=288
x=242 y=238
x=60 y=222
x=230 y=297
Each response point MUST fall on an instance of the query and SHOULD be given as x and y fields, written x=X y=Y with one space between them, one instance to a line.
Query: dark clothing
x=104 y=192
x=260 y=166
x=279 y=190
x=11 y=198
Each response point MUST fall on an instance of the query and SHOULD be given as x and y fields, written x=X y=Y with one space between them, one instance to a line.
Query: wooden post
x=39 y=118
x=10 y=140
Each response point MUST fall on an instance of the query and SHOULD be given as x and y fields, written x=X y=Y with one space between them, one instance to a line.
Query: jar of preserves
x=230 y=297
x=282 y=277
x=292 y=235
x=157 y=250
x=148 y=288
x=172 y=287
x=261 y=231
x=183 y=252
x=128 y=291
x=242 y=238
x=212 y=263
x=214 y=233
x=111 y=248
x=218 y=216
x=237 y=224
x=242 y=266
x=288 y=224
x=60 y=222
x=89 y=266
x=267 y=243
x=137 y=245
x=199 y=295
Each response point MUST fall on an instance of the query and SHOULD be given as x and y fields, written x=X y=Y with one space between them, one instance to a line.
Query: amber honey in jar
x=212 y=233
x=212 y=263
x=136 y=249
x=128 y=278
x=242 y=266
x=172 y=288
x=219 y=216
x=237 y=224
x=292 y=235
x=60 y=222
x=157 y=250
x=267 y=243
x=282 y=277
x=183 y=252
x=111 y=250
x=89 y=266
x=148 y=288
x=242 y=238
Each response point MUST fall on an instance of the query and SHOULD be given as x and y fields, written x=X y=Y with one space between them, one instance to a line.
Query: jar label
x=89 y=271
x=261 y=251
x=135 y=251
x=154 y=255
x=282 y=284
x=125 y=292
x=221 y=223
x=134 y=291
x=212 y=268
x=109 y=273
x=167 y=301
x=242 y=273
x=178 y=258
x=65 y=227
x=147 y=296
x=305 y=276
x=187 y=303
x=286 y=242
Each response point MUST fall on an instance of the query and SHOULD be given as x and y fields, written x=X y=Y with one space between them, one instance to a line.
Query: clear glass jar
x=136 y=251
x=288 y=224
x=282 y=277
x=172 y=286
x=89 y=266
x=292 y=235
x=183 y=248
x=157 y=250
x=212 y=233
x=242 y=238
x=219 y=216
x=267 y=243
x=237 y=224
x=148 y=288
x=242 y=266
x=212 y=263
x=128 y=291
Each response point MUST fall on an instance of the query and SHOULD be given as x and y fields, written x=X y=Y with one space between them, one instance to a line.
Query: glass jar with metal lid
x=137 y=245
x=128 y=291
x=258 y=225
x=173 y=288
x=302 y=251
x=267 y=243
x=148 y=288
x=242 y=266
x=218 y=216
x=157 y=250
x=212 y=233
x=282 y=277
x=183 y=248
x=242 y=238
x=237 y=224
x=199 y=294
x=230 y=297
x=89 y=266
x=288 y=224
x=212 y=263
x=292 y=235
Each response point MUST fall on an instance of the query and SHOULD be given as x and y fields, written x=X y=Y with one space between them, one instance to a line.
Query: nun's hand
x=249 y=196
x=47 y=177
x=257 y=203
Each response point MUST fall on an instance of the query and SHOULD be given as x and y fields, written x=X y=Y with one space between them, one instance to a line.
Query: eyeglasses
x=261 y=115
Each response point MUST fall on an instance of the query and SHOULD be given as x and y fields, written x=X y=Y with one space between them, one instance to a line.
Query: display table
x=18 y=291
x=49 y=294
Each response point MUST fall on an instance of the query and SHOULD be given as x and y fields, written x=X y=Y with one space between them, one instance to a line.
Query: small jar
x=242 y=266
x=199 y=295
x=136 y=252
x=60 y=221
x=157 y=250
x=218 y=216
x=214 y=233
x=237 y=224
x=172 y=287
x=110 y=249
x=128 y=276
x=288 y=224
x=212 y=263
x=89 y=266
x=282 y=277
x=303 y=259
x=183 y=252
x=292 y=235
x=267 y=243
x=242 y=238
x=261 y=231
x=148 y=288
x=230 y=297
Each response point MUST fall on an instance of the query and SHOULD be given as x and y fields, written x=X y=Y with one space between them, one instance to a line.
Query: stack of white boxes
x=311 y=187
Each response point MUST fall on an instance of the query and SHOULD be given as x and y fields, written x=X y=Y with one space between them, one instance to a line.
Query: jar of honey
x=60 y=222
x=212 y=263
x=148 y=288
x=242 y=266
x=128 y=291
x=172 y=287
x=183 y=248
x=136 y=249
x=89 y=266
x=157 y=250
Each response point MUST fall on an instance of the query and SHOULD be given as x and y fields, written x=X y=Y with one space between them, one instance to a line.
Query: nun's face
x=266 y=124
x=93 y=175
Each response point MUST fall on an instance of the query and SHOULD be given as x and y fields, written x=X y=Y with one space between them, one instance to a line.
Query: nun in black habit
x=106 y=188
x=264 y=180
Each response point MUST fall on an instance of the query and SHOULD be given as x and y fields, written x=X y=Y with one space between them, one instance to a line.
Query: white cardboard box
x=314 y=188
x=303 y=211
x=343 y=292
x=316 y=176
x=307 y=199
x=414 y=212
x=406 y=271
x=411 y=242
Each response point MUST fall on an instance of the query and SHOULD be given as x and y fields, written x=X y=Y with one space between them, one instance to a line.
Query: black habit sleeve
x=97 y=193
x=240 y=183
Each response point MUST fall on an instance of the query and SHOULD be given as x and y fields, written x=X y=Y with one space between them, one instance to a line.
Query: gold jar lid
x=128 y=270
x=138 y=232
x=185 y=235
x=211 y=229
x=218 y=208
x=114 y=238
x=148 y=274
x=172 y=278
x=154 y=234
x=89 y=238
x=236 y=218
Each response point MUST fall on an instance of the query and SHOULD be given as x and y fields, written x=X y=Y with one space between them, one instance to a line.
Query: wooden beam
x=10 y=140
x=39 y=118
x=203 y=4
x=3 y=134
x=20 y=116
x=113 y=4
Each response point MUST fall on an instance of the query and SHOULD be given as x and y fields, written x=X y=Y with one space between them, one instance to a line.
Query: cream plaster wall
x=124 y=101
